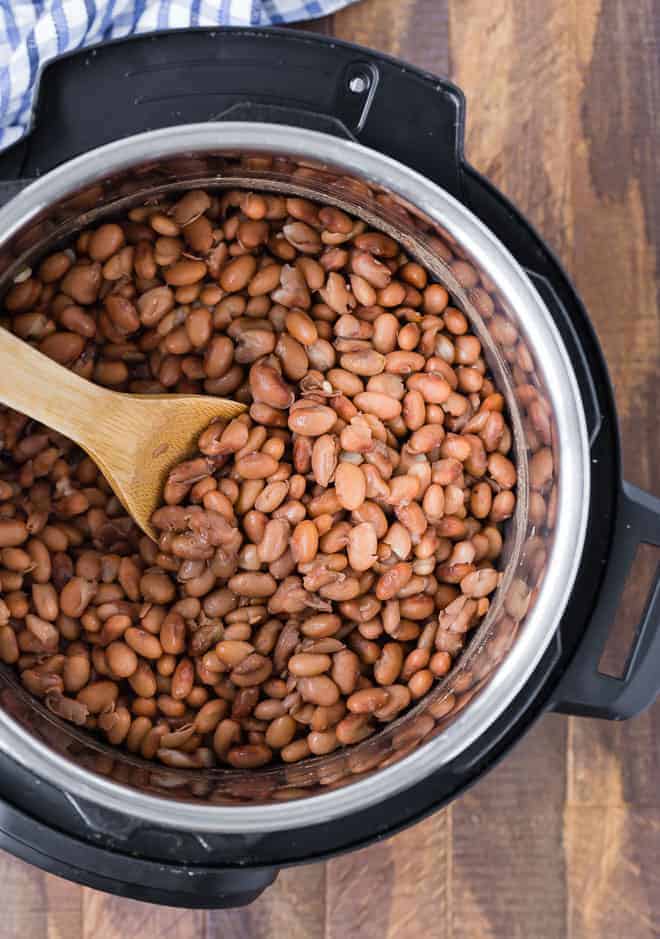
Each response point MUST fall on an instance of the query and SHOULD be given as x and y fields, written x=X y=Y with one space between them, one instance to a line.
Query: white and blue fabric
x=34 y=31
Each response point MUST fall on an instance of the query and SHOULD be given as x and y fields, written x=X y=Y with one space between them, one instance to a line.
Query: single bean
x=98 y=695
x=367 y=700
x=312 y=421
x=122 y=659
x=350 y=486
x=318 y=689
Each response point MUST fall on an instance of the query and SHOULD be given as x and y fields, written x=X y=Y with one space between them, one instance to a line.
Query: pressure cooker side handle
x=584 y=690
x=116 y=89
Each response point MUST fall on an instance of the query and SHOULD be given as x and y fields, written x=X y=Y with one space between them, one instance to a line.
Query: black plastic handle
x=120 y=88
x=584 y=690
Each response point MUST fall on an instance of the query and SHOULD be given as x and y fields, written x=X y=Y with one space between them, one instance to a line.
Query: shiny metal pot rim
x=543 y=339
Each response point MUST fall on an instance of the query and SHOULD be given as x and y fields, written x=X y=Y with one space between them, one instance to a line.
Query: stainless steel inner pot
x=531 y=369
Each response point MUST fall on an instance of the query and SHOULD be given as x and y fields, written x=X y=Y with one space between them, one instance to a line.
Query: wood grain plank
x=118 y=918
x=617 y=199
x=293 y=908
x=398 y=889
x=37 y=905
x=415 y=30
x=509 y=877
x=614 y=863
x=323 y=25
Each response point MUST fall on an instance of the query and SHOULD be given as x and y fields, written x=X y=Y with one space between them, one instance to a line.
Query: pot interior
x=520 y=374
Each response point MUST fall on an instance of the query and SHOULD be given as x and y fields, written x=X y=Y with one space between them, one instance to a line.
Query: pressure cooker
x=120 y=123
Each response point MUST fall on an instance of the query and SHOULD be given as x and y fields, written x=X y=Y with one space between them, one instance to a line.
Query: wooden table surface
x=563 y=838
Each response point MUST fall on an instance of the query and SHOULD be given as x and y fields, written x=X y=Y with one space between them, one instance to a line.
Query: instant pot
x=121 y=123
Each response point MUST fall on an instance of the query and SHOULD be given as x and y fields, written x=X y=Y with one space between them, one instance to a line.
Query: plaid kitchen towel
x=33 y=31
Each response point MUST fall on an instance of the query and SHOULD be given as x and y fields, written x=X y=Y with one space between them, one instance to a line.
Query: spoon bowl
x=135 y=440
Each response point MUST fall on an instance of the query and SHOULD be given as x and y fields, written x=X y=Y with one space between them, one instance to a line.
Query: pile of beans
x=322 y=559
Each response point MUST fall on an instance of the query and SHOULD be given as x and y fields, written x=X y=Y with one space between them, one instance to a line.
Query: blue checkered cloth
x=34 y=31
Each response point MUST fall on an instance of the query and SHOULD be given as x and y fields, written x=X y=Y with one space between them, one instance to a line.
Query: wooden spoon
x=134 y=439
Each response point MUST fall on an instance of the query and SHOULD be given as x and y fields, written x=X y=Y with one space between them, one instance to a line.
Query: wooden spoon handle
x=33 y=384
